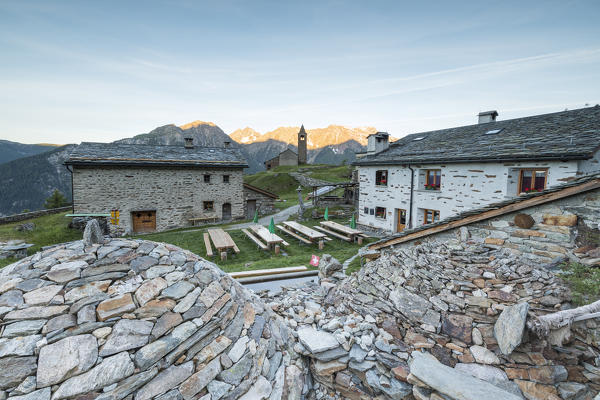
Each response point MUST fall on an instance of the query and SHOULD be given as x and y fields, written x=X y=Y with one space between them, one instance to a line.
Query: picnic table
x=222 y=241
x=341 y=231
x=269 y=238
x=303 y=233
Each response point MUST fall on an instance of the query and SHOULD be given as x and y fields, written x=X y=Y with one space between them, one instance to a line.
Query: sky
x=73 y=71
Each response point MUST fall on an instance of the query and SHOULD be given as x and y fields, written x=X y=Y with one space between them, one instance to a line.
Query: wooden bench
x=334 y=234
x=193 y=221
x=209 y=252
x=292 y=234
x=255 y=239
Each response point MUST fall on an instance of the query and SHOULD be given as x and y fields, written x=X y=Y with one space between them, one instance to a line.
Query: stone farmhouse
x=425 y=177
x=162 y=187
x=290 y=157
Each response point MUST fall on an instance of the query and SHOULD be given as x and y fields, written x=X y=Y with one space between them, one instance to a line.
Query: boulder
x=508 y=329
x=92 y=233
x=328 y=266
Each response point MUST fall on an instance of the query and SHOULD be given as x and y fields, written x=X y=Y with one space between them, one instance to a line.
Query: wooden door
x=400 y=219
x=144 y=221
x=226 y=211
x=251 y=208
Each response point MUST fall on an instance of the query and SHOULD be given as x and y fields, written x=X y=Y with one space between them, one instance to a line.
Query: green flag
x=272 y=226
x=326 y=216
x=353 y=222
x=255 y=220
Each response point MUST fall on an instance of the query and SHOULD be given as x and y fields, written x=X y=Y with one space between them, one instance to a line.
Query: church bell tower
x=302 y=146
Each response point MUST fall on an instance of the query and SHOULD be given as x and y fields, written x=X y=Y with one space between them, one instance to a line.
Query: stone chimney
x=227 y=143
x=189 y=142
x=487 y=116
x=378 y=142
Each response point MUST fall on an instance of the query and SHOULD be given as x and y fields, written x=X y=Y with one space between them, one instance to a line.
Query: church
x=289 y=156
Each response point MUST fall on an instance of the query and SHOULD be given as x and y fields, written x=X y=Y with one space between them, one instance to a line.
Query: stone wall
x=177 y=194
x=34 y=214
x=264 y=204
x=463 y=187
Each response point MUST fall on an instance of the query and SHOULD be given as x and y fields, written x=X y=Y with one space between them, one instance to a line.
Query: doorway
x=144 y=221
x=400 y=219
x=251 y=208
x=226 y=211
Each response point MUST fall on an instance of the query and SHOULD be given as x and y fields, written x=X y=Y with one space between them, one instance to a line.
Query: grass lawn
x=49 y=229
x=251 y=258
x=584 y=282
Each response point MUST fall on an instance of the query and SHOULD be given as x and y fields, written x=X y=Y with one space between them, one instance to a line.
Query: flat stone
x=110 y=370
x=23 y=328
x=126 y=335
x=142 y=263
x=361 y=366
x=104 y=269
x=357 y=354
x=65 y=358
x=571 y=390
x=188 y=301
x=155 y=308
x=71 y=265
x=42 y=394
x=115 y=306
x=259 y=391
x=409 y=304
x=42 y=295
x=213 y=349
x=487 y=373
x=31 y=284
x=452 y=382
x=238 y=349
x=316 y=341
x=63 y=275
x=195 y=383
x=78 y=305
x=458 y=326
x=27 y=386
x=257 y=328
x=11 y=298
x=237 y=372
x=328 y=368
x=509 y=327
x=329 y=355
x=483 y=355
x=152 y=352
x=149 y=290
x=533 y=390
x=249 y=315
x=215 y=308
x=14 y=369
x=36 y=312
x=394 y=389
x=218 y=389
x=167 y=321
x=19 y=346
x=105 y=250
x=131 y=384
x=60 y=322
x=165 y=381
x=158 y=270
x=178 y=290
x=211 y=293
x=86 y=314
x=171 y=395
x=90 y=289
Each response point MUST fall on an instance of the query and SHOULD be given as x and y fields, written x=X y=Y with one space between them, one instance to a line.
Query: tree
x=56 y=199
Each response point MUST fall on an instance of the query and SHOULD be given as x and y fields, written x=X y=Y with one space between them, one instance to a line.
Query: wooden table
x=311 y=234
x=222 y=240
x=345 y=230
x=269 y=238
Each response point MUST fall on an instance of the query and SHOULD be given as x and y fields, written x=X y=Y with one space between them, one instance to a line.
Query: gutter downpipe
x=72 y=198
x=412 y=187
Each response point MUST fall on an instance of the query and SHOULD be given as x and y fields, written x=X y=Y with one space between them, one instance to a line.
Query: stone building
x=290 y=157
x=429 y=176
x=258 y=199
x=157 y=187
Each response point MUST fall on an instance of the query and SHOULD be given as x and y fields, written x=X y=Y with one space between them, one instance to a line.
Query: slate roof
x=88 y=153
x=566 y=135
x=455 y=220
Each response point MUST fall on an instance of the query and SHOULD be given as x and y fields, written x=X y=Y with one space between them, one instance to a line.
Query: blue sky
x=104 y=70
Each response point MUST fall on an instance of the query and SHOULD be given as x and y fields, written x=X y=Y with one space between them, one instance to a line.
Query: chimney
x=226 y=143
x=377 y=142
x=487 y=116
x=189 y=142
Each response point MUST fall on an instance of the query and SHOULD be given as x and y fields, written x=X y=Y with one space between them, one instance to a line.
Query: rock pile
x=14 y=248
x=466 y=305
x=133 y=319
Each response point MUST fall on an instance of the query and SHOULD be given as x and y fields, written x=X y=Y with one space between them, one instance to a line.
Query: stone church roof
x=88 y=153
x=566 y=135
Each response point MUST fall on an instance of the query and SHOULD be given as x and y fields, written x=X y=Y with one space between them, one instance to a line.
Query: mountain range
x=32 y=174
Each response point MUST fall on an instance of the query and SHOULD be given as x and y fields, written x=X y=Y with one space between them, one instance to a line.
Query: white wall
x=463 y=187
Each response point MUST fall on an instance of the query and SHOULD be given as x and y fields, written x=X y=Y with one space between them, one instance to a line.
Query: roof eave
x=155 y=164
x=552 y=157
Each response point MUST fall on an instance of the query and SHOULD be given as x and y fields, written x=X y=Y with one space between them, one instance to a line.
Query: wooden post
x=277 y=249
x=223 y=256
x=359 y=239
x=321 y=244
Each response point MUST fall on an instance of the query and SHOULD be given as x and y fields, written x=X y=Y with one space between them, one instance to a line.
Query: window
x=532 y=180
x=381 y=177
x=380 y=212
x=366 y=210
x=207 y=178
x=372 y=211
x=208 y=205
x=430 y=216
x=225 y=178
x=433 y=179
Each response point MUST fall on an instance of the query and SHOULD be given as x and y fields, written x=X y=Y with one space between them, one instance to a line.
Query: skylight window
x=418 y=138
x=494 y=131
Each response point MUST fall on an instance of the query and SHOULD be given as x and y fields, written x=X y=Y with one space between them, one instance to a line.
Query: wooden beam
x=534 y=201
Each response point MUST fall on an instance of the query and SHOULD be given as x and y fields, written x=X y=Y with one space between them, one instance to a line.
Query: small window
x=494 y=131
x=430 y=216
x=532 y=180
x=208 y=205
x=372 y=211
x=380 y=212
x=418 y=138
x=366 y=210
x=381 y=177
x=225 y=178
x=302 y=137
x=433 y=179
x=206 y=178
